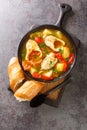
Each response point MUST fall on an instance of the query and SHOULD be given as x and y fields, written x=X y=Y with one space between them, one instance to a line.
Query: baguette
x=28 y=90
x=16 y=76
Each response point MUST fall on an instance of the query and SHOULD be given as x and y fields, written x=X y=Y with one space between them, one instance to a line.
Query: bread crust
x=28 y=90
x=16 y=76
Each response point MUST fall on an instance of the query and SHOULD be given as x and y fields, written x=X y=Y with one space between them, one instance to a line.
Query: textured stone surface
x=16 y=17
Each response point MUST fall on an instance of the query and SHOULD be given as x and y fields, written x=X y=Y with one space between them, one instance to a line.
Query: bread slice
x=28 y=90
x=16 y=76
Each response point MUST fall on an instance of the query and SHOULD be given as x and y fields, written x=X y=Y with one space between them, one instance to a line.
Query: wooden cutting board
x=54 y=98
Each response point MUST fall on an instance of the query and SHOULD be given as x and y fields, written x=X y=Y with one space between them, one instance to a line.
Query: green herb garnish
x=67 y=59
x=42 y=45
x=32 y=36
x=37 y=68
x=51 y=63
x=55 y=71
x=61 y=51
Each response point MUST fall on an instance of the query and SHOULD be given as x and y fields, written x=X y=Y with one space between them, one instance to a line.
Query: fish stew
x=47 y=54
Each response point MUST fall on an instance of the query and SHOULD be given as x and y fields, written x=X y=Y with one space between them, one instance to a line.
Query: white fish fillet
x=49 y=41
x=48 y=62
x=32 y=46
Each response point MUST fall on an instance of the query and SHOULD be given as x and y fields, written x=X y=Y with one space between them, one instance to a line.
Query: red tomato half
x=59 y=56
x=38 y=39
x=46 y=77
x=36 y=75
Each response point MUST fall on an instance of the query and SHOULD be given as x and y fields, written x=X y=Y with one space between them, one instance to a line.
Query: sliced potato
x=60 y=67
x=66 y=52
x=59 y=34
x=32 y=70
x=48 y=73
x=46 y=32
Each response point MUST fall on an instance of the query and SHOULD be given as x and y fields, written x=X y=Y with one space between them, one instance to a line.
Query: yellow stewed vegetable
x=46 y=32
x=60 y=67
x=66 y=52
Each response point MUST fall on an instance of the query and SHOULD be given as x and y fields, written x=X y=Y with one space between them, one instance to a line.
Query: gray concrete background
x=16 y=17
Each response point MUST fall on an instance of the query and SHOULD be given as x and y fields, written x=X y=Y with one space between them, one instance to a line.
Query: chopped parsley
x=37 y=68
x=32 y=36
x=67 y=59
x=51 y=63
x=42 y=45
x=55 y=71
x=61 y=51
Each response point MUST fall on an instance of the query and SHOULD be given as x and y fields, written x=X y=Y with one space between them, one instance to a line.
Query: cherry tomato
x=71 y=59
x=38 y=39
x=36 y=75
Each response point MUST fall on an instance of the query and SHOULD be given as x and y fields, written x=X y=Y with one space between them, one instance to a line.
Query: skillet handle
x=61 y=85
x=64 y=9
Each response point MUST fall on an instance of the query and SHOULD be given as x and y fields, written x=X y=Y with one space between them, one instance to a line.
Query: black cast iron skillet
x=64 y=9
